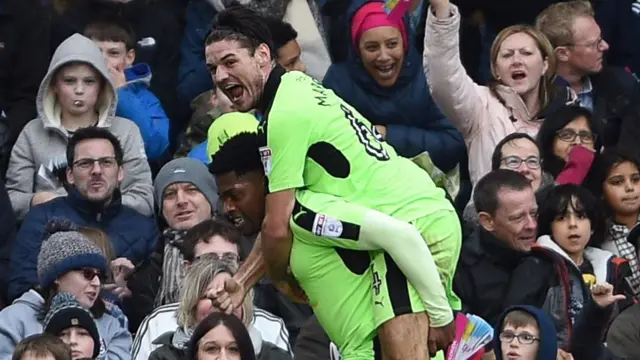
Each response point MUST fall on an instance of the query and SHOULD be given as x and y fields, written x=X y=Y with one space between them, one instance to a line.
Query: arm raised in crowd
x=456 y=94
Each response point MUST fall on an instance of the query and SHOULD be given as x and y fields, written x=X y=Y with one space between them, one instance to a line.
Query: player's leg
x=400 y=304
x=403 y=324
x=338 y=285
x=334 y=223
x=352 y=226
x=443 y=233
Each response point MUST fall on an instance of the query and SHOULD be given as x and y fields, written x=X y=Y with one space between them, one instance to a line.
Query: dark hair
x=239 y=154
x=237 y=23
x=556 y=121
x=111 y=28
x=204 y=231
x=557 y=202
x=485 y=196
x=496 y=157
x=233 y=324
x=42 y=345
x=90 y=133
x=281 y=32
x=608 y=159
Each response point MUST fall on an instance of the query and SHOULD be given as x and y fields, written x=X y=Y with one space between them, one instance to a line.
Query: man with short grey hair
x=611 y=93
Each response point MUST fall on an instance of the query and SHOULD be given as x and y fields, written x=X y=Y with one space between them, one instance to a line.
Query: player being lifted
x=339 y=190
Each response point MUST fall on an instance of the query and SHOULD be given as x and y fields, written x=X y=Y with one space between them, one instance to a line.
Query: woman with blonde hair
x=519 y=96
x=196 y=304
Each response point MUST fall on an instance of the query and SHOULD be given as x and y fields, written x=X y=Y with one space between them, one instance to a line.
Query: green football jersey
x=316 y=141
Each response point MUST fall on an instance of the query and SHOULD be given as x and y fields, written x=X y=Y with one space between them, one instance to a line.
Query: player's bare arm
x=276 y=234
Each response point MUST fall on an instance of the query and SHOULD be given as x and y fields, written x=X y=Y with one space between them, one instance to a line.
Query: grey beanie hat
x=186 y=170
x=64 y=251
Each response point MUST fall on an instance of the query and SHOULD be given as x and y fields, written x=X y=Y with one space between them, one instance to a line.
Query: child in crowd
x=41 y=347
x=77 y=92
x=564 y=264
x=525 y=333
x=135 y=100
x=68 y=262
x=619 y=188
x=74 y=325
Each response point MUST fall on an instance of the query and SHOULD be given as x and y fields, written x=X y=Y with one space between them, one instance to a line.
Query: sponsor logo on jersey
x=327 y=226
x=265 y=157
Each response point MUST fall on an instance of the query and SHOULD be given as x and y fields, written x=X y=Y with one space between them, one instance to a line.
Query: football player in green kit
x=335 y=191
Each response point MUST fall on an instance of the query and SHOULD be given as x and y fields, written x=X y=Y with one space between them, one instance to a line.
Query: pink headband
x=371 y=16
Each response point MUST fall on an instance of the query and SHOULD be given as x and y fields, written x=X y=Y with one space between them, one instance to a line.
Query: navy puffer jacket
x=132 y=234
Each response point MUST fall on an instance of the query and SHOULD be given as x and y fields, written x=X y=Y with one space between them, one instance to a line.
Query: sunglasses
x=90 y=274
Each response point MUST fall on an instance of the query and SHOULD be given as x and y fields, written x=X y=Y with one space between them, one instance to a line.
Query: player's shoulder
x=298 y=90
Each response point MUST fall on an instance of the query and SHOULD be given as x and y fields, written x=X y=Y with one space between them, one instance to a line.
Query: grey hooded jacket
x=38 y=158
x=23 y=318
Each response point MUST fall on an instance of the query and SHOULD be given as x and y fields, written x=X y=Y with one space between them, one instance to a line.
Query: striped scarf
x=172 y=268
x=618 y=235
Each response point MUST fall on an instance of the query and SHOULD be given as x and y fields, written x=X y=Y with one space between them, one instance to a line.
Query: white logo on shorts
x=265 y=156
x=326 y=226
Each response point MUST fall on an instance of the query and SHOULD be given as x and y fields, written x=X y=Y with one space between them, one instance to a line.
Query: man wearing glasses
x=95 y=171
x=612 y=94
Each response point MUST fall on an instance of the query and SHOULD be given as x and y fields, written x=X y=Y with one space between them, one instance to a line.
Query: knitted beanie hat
x=66 y=312
x=186 y=170
x=64 y=251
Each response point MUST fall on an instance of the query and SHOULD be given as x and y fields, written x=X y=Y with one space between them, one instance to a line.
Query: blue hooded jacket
x=414 y=122
x=193 y=75
x=138 y=104
x=132 y=234
x=548 y=349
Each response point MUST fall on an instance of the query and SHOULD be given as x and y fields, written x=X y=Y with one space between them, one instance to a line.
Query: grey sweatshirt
x=21 y=319
x=39 y=155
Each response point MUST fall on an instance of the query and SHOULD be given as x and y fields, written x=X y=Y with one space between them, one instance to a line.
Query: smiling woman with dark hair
x=384 y=81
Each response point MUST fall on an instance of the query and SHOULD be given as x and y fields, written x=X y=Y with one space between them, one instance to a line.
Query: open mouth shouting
x=234 y=92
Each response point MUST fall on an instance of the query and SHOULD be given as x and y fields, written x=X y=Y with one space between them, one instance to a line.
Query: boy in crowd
x=525 y=333
x=74 y=325
x=42 y=347
x=135 y=101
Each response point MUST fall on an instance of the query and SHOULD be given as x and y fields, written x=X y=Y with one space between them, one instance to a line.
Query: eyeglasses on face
x=568 y=135
x=591 y=45
x=523 y=338
x=227 y=256
x=513 y=162
x=90 y=274
x=106 y=162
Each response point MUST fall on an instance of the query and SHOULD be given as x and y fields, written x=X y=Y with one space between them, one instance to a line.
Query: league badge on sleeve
x=265 y=156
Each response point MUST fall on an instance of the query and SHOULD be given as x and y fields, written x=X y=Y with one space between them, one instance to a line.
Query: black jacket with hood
x=24 y=59
x=483 y=276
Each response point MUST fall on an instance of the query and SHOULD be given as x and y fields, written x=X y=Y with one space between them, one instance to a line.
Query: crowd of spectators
x=116 y=227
